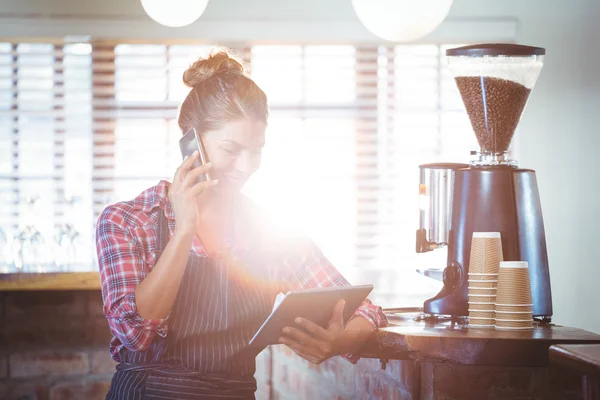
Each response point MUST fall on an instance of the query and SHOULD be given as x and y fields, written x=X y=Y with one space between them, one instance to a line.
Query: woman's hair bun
x=218 y=62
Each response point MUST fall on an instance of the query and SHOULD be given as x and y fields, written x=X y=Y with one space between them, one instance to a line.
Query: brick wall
x=295 y=378
x=53 y=346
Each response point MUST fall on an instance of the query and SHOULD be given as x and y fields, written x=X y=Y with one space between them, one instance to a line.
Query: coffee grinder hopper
x=494 y=81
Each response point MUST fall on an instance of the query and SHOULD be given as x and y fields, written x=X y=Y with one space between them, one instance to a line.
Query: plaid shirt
x=126 y=243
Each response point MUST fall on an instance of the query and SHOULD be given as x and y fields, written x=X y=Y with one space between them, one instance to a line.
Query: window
x=44 y=134
x=148 y=88
x=420 y=120
x=88 y=124
x=310 y=150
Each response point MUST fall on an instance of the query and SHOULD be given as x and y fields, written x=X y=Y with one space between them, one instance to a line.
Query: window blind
x=96 y=123
x=308 y=178
x=44 y=125
x=420 y=120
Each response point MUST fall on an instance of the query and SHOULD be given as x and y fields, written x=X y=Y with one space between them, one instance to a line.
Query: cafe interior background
x=89 y=92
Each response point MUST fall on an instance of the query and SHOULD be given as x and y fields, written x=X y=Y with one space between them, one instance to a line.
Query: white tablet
x=315 y=305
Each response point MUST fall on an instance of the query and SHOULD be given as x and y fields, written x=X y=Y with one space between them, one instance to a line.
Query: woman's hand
x=318 y=344
x=183 y=192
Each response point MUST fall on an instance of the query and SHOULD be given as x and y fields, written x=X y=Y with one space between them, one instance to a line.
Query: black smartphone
x=188 y=144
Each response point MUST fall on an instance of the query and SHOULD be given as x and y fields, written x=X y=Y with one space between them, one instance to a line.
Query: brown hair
x=221 y=92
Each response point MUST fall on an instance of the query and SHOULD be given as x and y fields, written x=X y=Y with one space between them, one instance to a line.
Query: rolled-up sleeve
x=372 y=313
x=122 y=269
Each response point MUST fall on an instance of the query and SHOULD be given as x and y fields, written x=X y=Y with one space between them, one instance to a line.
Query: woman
x=190 y=271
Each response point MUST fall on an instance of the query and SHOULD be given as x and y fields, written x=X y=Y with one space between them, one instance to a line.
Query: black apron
x=220 y=305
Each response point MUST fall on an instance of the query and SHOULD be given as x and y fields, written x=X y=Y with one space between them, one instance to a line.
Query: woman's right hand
x=183 y=193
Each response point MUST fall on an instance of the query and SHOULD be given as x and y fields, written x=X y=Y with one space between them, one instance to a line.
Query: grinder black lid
x=496 y=49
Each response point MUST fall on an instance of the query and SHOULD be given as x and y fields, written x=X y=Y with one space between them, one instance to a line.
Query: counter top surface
x=584 y=358
x=25 y=281
x=442 y=341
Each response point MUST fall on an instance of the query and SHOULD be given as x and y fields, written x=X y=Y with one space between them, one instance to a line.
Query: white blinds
x=138 y=89
x=44 y=130
x=420 y=120
x=349 y=126
x=308 y=175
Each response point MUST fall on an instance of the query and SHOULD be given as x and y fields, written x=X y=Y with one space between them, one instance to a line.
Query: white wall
x=560 y=139
x=558 y=136
x=258 y=21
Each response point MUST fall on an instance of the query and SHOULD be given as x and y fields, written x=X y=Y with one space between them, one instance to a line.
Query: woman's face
x=235 y=152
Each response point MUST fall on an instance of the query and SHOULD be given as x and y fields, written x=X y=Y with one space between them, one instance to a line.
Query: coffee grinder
x=491 y=194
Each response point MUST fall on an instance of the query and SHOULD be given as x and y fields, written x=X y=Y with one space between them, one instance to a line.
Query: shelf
x=25 y=281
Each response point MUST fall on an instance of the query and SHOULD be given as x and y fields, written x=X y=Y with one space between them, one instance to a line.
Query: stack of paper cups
x=486 y=255
x=513 y=302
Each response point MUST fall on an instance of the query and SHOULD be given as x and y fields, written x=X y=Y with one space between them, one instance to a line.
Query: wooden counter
x=441 y=342
x=26 y=281
x=584 y=359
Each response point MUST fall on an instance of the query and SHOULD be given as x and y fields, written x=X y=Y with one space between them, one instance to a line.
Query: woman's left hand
x=318 y=344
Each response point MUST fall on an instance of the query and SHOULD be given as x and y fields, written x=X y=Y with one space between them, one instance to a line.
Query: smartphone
x=188 y=144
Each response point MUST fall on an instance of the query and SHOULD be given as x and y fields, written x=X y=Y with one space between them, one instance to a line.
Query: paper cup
x=481 y=314
x=513 y=312
x=484 y=291
x=482 y=298
x=479 y=284
x=486 y=252
x=483 y=277
x=513 y=276
x=520 y=292
x=487 y=235
x=503 y=328
x=477 y=326
x=515 y=322
x=514 y=264
x=479 y=306
x=514 y=285
x=514 y=316
x=481 y=321
x=514 y=308
x=513 y=297
x=514 y=279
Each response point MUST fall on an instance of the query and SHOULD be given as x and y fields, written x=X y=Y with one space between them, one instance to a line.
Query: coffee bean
x=494 y=106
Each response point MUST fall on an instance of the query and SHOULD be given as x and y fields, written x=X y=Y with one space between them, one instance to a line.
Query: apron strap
x=163 y=232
